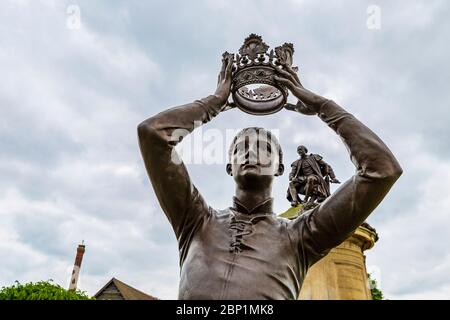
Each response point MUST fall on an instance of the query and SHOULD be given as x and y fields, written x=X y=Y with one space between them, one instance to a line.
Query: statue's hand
x=309 y=102
x=224 y=82
x=335 y=180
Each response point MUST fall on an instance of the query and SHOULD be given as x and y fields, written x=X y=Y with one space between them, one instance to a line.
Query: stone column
x=342 y=274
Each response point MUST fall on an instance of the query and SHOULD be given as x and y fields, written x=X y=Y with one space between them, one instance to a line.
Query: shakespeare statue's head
x=302 y=150
x=254 y=88
x=255 y=158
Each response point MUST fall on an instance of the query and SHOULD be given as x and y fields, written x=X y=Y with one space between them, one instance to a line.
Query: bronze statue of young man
x=310 y=175
x=246 y=251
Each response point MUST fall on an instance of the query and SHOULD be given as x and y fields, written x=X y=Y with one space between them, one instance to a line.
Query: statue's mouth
x=252 y=165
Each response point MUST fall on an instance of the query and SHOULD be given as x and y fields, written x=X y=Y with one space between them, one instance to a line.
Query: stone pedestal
x=342 y=274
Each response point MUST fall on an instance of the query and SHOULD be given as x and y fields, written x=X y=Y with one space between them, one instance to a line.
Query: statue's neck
x=253 y=198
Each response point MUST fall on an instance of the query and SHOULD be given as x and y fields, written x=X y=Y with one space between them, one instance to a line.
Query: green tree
x=376 y=293
x=42 y=290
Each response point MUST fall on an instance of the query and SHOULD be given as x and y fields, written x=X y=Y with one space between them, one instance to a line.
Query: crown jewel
x=254 y=88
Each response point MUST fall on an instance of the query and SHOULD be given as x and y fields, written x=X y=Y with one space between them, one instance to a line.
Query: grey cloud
x=79 y=95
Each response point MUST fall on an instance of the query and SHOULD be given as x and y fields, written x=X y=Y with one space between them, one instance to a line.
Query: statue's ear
x=228 y=168
x=280 y=170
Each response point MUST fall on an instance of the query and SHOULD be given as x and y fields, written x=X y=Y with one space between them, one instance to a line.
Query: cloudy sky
x=78 y=76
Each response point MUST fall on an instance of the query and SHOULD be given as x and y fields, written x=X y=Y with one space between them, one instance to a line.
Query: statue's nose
x=251 y=155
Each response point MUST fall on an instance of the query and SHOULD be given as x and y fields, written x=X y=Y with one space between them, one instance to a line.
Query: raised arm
x=335 y=219
x=158 y=136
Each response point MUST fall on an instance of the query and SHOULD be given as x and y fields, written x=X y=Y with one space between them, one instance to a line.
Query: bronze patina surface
x=311 y=176
x=246 y=251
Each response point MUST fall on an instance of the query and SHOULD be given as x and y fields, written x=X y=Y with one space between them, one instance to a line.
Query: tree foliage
x=376 y=293
x=42 y=290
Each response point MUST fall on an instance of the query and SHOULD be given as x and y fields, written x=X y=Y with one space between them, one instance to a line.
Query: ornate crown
x=254 y=88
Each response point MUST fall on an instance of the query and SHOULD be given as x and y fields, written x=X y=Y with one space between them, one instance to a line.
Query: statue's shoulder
x=295 y=162
x=316 y=157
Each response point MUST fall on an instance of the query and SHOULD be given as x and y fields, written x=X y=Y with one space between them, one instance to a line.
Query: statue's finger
x=224 y=63
x=230 y=105
x=293 y=73
x=229 y=66
x=287 y=82
x=290 y=70
x=290 y=106
x=286 y=75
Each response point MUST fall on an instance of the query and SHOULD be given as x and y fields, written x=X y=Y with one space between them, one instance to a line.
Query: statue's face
x=254 y=159
x=301 y=150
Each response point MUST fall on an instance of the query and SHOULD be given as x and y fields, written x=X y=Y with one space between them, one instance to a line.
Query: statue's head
x=302 y=150
x=255 y=158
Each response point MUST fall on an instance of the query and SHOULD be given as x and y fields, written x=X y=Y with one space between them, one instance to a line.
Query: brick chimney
x=77 y=266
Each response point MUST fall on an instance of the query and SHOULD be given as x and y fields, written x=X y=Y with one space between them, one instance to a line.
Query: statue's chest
x=306 y=167
x=237 y=233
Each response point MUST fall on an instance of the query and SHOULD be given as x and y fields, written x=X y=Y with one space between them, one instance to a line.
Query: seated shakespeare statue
x=246 y=251
x=310 y=175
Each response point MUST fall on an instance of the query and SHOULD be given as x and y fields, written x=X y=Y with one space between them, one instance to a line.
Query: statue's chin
x=254 y=179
